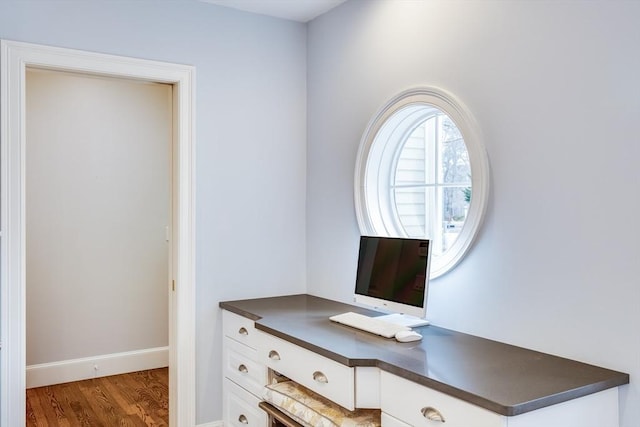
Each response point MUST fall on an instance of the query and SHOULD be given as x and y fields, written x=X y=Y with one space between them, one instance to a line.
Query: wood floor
x=135 y=399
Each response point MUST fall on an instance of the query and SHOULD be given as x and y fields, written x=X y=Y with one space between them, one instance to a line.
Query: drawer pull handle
x=243 y=369
x=432 y=414
x=273 y=355
x=320 y=377
x=243 y=419
x=243 y=331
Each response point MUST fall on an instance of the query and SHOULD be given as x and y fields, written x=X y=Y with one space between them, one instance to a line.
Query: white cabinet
x=245 y=376
x=405 y=403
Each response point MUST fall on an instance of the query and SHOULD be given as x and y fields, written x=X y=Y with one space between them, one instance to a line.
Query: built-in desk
x=501 y=378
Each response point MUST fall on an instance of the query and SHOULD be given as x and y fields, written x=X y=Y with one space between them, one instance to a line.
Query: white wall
x=555 y=89
x=250 y=137
x=97 y=208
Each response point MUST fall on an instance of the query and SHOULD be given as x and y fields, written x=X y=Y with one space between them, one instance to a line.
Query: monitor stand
x=404 y=320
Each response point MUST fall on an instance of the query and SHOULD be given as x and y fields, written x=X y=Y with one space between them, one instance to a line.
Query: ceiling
x=294 y=10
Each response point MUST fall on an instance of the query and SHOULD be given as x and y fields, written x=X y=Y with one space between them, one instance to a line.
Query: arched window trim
x=375 y=164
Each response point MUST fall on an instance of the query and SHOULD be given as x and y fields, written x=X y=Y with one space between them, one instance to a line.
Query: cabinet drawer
x=389 y=421
x=324 y=376
x=239 y=328
x=241 y=366
x=241 y=408
x=406 y=401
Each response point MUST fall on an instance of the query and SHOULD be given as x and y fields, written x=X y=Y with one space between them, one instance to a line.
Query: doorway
x=97 y=215
x=16 y=58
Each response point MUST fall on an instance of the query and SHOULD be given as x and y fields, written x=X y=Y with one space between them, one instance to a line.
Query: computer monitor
x=393 y=274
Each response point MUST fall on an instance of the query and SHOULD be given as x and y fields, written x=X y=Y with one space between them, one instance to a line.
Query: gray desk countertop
x=505 y=379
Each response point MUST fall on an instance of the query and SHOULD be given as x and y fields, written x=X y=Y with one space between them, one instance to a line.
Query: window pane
x=455 y=206
x=410 y=168
x=454 y=158
x=411 y=210
x=432 y=182
x=437 y=214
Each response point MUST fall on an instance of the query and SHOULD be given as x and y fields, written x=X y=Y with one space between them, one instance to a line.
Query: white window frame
x=375 y=165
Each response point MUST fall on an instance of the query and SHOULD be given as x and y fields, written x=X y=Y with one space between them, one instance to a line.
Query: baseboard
x=97 y=366
x=212 y=424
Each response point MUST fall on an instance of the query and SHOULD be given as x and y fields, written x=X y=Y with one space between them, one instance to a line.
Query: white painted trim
x=104 y=365
x=15 y=57
x=212 y=424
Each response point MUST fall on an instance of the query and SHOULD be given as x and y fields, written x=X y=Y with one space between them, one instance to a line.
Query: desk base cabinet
x=251 y=357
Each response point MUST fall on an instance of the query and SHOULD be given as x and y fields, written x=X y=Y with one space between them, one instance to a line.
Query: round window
x=422 y=171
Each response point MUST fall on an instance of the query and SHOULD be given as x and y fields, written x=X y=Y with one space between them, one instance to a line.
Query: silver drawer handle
x=243 y=419
x=432 y=414
x=243 y=331
x=274 y=355
x=320 y=377
x=243 y=369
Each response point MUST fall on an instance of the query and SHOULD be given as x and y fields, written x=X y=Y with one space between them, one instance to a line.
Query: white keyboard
x=369 y=324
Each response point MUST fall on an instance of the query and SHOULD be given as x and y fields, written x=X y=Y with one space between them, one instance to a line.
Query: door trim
x=15 y=57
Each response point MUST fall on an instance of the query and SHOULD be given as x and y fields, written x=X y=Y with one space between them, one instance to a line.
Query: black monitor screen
x=393 y=269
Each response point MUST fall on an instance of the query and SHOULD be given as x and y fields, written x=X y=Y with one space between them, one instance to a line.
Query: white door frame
x=15 y=57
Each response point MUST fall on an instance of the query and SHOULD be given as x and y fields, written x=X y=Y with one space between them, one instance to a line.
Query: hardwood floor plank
x=129 y=387
x=33 y=409
x=114 y=388
x=155 y=396
x=82 y=407
x=101 y=403
x=148 y=400
x=138 y=399
x=53 y=415
x=66 y=401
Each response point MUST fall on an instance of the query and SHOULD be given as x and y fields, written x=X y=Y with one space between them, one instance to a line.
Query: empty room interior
x=225 y=201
